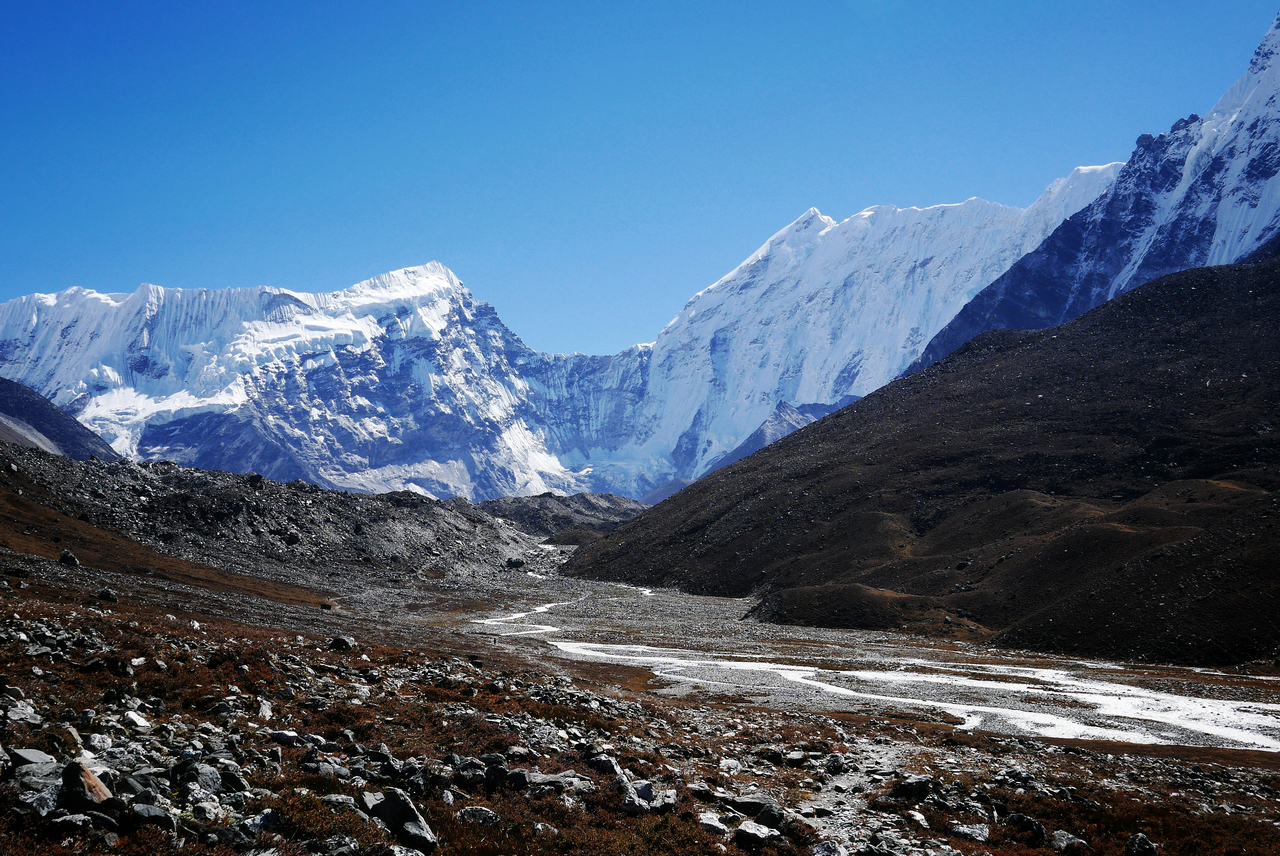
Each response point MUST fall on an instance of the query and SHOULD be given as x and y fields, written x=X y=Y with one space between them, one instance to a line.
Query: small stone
x=71 y=824
x=978 y=832
x=342 y=643
x=109 y=595
x=545 y=830
x=830 y=848
x=135 y=719
x=479 y=815
x=709 y=821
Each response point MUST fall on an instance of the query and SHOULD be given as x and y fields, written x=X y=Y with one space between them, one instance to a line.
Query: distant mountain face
x=1205 y=193
x=407 y=382
x=29 y=419
x=403 y=381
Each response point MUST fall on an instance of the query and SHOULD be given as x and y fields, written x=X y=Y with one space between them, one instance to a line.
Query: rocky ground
x=179 y=674
x=133 y=730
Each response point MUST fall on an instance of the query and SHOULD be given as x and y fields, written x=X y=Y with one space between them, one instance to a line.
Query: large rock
x=82 y=790
x=151 y=815
x=23 y=757
x=404 y=821
x=751 y=836
x=1064 y=842
x=1033 y=829
x=1139 y=845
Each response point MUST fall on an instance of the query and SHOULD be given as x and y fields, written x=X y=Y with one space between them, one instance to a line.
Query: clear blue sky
x=584 y=167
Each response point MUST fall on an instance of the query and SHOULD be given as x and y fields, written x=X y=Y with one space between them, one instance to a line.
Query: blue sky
x=584 y=167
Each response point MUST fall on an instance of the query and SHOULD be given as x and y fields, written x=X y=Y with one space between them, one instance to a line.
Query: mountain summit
x=1204 y=193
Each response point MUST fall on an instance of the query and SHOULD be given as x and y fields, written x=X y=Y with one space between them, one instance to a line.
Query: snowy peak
x=1264 y=56
x=1204 y=193
x=824 y=310
x=1066 y=196
x=404 y=381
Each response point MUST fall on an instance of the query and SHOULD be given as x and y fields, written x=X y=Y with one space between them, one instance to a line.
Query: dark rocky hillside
x=573 y=519
x=292 y=543
x=1102 y=488
x=30 y=419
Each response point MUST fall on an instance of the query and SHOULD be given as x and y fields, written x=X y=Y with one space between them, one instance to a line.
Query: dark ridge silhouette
x=30 y=419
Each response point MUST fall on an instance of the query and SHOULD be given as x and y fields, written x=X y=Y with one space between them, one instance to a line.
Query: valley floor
x=658 y=723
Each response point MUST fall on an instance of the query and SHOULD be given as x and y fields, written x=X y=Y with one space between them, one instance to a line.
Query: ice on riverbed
x=1047 y=703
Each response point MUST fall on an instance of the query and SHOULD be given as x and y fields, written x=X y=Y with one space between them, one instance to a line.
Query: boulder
x=69 y=559
x=82 y=790
x=772 y=816
x=1064 y=842
x=751 y=804
x=751 y=836
x=23 y=757
x=151 y=815
x=1036 y=834
x=403 y=820
x=914 y=789
x=478 y=814
x=978 y=832
x=342 y=643
x=1139 y=845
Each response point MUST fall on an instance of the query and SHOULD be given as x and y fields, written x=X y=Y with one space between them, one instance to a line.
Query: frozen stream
x=877 y=673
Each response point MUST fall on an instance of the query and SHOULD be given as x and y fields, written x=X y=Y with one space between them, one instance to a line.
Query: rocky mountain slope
x=564 y=519
x=1105 y=488
x=30 y=419
x=407 y=382
x=294 y=543
x=1205 y=193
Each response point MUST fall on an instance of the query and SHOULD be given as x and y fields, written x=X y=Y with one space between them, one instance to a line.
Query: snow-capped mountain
x=825 y=310
x=403 y=380
x=1205 y=193
x=407 y=382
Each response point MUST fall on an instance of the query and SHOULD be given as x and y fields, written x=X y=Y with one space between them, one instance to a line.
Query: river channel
x=700 y=645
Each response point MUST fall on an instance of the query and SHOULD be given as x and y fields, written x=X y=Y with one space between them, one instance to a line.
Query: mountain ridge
x=406 y=381
x=1105 y=488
